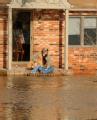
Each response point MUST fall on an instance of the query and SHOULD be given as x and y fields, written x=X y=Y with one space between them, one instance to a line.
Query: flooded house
x=68 y=28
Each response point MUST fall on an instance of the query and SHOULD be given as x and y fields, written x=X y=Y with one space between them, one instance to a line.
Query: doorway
x=21 y=36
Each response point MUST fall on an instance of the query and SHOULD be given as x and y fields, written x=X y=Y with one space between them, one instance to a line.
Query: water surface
x=48 y=98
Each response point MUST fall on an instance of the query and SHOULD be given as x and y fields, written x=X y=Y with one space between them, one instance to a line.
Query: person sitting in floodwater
x=45 y=67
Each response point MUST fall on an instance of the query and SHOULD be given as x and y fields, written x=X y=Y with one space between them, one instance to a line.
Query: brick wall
x=83 y=60
x=48 y=31
x=3 y=38
x=84 y=4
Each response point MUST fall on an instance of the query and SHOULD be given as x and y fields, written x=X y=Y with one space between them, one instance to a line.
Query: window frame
x=82 y=31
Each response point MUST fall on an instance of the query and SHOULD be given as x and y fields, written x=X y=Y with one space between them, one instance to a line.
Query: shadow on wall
x=60 y=41
x=5 y=43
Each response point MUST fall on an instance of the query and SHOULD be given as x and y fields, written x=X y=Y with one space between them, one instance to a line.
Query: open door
x=21 y=36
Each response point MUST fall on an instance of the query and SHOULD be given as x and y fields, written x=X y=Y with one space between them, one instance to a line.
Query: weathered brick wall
x=83 y=13
x=92 y=4
x=3 y=38
x=83 y=60
x=48 y=31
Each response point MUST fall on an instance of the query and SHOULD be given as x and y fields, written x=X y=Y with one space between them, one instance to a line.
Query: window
x=89 y=31
x=74 y=31
x=82 y=31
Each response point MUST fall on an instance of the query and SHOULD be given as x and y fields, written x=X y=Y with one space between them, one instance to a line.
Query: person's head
x=44 y=51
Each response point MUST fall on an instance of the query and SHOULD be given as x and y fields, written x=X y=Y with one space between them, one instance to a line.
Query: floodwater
x=48 y=98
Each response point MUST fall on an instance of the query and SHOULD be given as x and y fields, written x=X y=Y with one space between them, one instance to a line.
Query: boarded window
x=74 y=31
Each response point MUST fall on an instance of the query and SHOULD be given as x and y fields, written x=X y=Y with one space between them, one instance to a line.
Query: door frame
x=31 y=32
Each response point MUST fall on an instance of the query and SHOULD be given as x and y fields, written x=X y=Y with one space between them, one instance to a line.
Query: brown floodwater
x=48 y=98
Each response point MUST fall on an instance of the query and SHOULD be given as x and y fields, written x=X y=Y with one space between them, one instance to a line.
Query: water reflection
x=45 y=98
x=33 y=99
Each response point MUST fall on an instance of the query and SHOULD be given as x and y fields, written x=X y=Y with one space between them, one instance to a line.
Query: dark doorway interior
x=21 y=36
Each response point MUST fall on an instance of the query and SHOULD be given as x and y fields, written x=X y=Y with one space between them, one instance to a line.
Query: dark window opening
x=21 y=36
x=89 y=36
x=74 y=39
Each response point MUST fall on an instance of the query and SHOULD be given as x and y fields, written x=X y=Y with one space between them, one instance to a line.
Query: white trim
x=9 y=38
x=39 y=5
x=66 y=41
x=83 y=9
x=31 y=30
